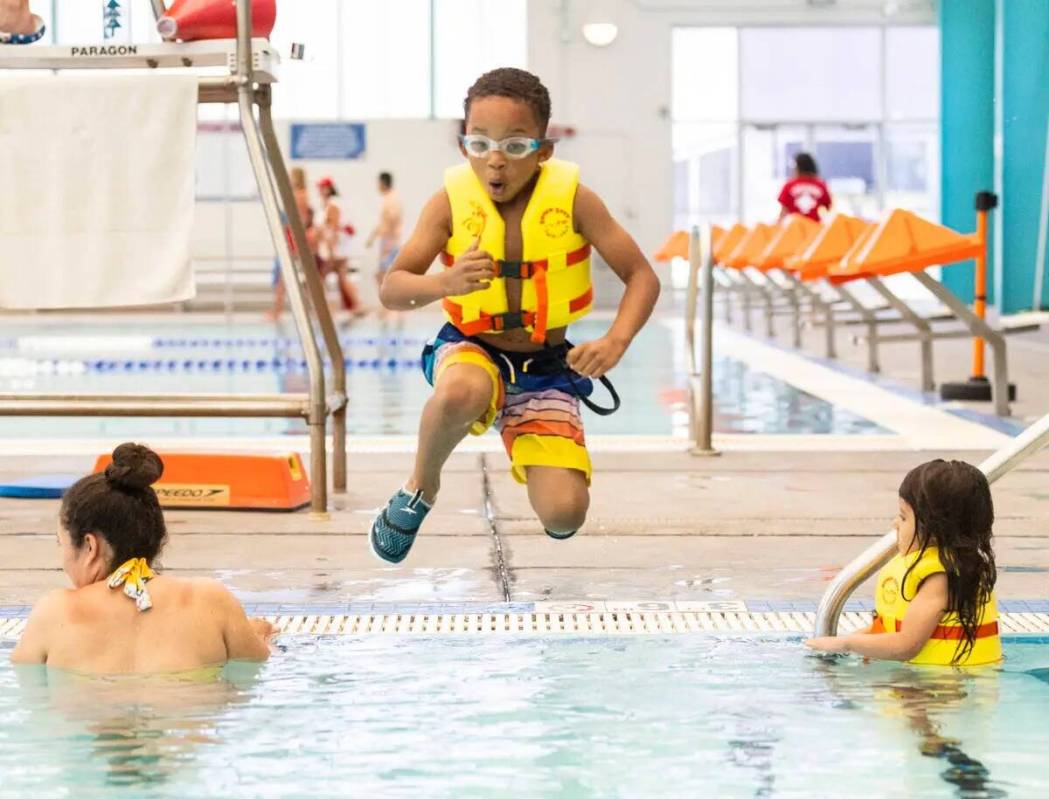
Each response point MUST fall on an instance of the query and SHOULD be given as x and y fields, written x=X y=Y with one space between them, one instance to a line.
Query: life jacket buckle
x=508 y=321
x=517 y=270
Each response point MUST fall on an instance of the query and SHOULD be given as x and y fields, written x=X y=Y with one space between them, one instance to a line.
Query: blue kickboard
x=42 y=486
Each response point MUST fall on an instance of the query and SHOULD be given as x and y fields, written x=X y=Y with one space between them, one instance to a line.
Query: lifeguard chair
x=252 y=65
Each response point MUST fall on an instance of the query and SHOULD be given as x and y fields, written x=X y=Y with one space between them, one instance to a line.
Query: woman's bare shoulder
x=189 y=590
x=53 y=605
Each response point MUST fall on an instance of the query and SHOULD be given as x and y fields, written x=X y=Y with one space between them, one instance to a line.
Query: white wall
x=414 y=151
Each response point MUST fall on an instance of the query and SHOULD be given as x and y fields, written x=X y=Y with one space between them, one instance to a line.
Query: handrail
x=879 y=553
x=700 y=379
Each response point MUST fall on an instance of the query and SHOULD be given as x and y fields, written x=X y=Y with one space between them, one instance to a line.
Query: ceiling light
x=600 y=34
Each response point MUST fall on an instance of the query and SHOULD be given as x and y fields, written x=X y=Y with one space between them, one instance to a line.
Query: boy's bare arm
x=620 y=251
x=408 y=286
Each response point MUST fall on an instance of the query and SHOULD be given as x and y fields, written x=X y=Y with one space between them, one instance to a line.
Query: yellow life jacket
x=893 y=596
x=554 y=269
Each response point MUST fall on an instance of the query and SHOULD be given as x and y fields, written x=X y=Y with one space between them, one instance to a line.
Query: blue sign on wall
x=327 y=141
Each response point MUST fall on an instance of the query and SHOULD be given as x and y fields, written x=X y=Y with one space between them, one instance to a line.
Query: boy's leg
x=465 y=399
x=463 y=395
x=542 y=431
x=560 y=498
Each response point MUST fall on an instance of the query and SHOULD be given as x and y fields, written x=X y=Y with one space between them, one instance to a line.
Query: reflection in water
x=921 y=696
x=132 y=731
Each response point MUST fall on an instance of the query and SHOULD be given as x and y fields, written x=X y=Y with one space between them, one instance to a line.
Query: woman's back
x=99 y=630
x=121 y=617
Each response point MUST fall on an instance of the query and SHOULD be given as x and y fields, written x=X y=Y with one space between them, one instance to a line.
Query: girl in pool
x=935 y=599
x=121 y=617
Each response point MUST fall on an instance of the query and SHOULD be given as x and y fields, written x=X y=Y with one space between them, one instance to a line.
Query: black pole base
x=975 y=389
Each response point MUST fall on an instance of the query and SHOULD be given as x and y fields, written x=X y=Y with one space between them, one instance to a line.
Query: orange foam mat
x=229 y=481
x=904 y=242
x=750 y=246
x=831 y=243
x=788 y=237
x=676 y=246
x=726 y=243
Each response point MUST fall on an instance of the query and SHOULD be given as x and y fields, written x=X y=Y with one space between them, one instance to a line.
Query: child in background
x=514 y=228
x=121 y=617
x=935 y=599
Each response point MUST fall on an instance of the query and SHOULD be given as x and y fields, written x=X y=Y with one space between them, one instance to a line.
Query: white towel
x=96 y=190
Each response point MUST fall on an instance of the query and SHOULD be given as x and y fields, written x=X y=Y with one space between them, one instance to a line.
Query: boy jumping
x=513 y=228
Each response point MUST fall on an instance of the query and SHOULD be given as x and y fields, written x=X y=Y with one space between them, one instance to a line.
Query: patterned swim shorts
x=537 y=415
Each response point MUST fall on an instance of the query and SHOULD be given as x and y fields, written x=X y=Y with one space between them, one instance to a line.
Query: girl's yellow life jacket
x=893 y=596
x=554 y=269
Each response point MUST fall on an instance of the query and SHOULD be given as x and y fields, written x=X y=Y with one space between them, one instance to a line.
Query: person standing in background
x=334 y=245
x=388 y=230
x=804 y=193
x=297 y=176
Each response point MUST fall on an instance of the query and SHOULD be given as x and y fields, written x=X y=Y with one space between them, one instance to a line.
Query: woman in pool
x=120 y=617
x=935 y=599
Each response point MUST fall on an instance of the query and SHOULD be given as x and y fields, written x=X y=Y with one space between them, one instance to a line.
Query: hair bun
x=134 y=467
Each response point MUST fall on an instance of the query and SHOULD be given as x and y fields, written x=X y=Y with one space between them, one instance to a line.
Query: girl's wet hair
x=119 y=505
x=953 y=511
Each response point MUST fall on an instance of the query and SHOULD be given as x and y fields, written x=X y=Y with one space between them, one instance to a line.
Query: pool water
x=385 y=385
x=680 y=716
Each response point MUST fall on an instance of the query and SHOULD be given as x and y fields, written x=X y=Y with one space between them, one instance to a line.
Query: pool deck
x=772 y=518
x=663 y=525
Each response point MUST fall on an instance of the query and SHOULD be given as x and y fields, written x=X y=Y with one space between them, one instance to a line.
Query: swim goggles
x=515 y=147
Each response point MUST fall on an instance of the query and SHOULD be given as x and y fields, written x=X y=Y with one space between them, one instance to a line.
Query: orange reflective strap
x=950 y=632
x=542 y=305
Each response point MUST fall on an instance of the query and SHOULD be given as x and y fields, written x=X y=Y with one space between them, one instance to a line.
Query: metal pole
x=691 y=299
x=980 y=287
x=980 y=328
x=272 y=207
x=337 y=402
x=871 y=320
x=701 y=404
x=1043 y=231
x=818 y=303
x=920 y=325
x=158 y=8
x=878 y=554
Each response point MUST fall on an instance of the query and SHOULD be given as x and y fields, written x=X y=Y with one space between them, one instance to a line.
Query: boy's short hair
x=386 y=179
x=516 y=84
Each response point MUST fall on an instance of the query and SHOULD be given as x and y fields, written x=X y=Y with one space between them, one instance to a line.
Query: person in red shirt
x=804 y=193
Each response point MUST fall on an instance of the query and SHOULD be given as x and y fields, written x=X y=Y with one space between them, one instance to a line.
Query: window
x=912 y=73
x=470 y=38
x=308 y=88
x=863 y=100
x=810 y=73
x=705 y=73
x=385 y=59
